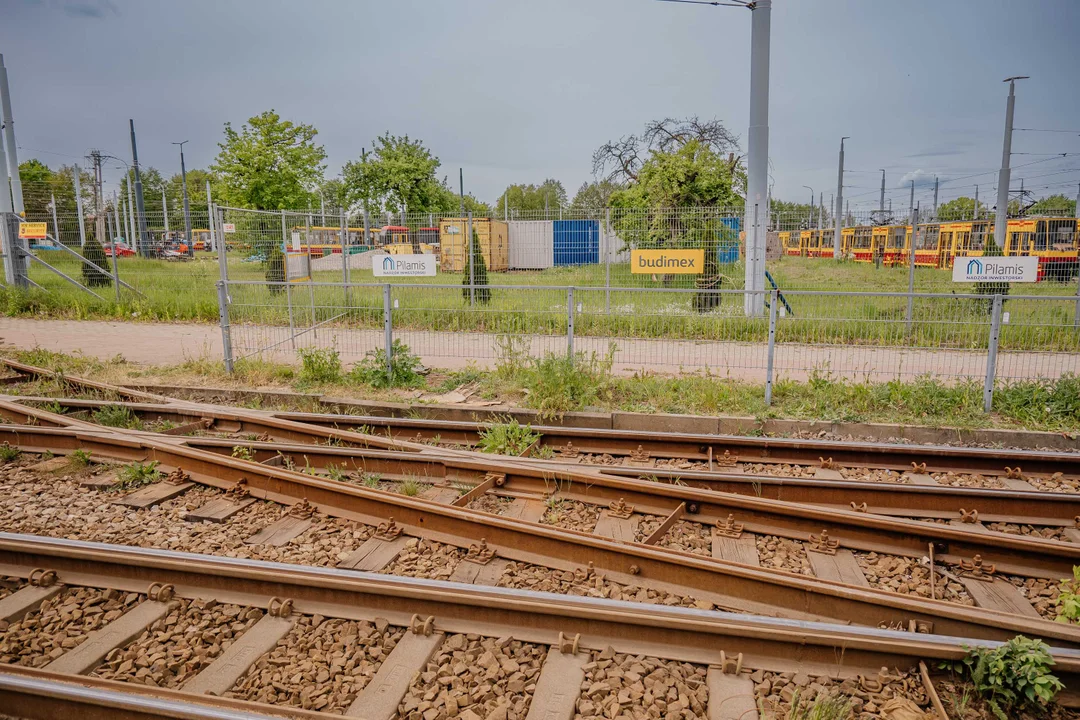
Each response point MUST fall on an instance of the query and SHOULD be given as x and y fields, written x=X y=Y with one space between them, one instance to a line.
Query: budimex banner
x=667 y=262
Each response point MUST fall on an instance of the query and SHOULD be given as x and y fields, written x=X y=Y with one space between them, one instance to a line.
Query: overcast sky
x=518 y=91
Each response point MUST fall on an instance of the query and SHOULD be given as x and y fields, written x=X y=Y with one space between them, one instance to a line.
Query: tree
x=594 y=195
x=1055 y=205
x=94 y=253
x=271 y=164
x=678 y=177
x=196 y=187
x=275 y=269
x=41 y=183
x=152 y=184
x=478 y=276
x=961 y=208
x=530 y=199
x=398 y=174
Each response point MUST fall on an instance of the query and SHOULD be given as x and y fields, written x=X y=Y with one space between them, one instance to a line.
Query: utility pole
x=757 y=166
x=881 y=200
x=1002 y=215
x=9 y=138
x=187 y=205
x=810 y=215
x=99 y=198
x=165 y=210
x=78 y=206
x=131 y=214
x=821 y=212
x=143 y=249
x=461 y=191
x=1020 y=204
x=839 y=221
x=911 y=203
x=5 y=191
x=55 y=223
x=935 y=196
x=975 y=210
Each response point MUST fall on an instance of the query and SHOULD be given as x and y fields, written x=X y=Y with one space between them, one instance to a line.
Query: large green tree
x=679 y=178
x=196 y=185
x=594 y=195
x=41 y=184
x=530 y=199
x=1059 y=205
x=961 y=208
x=398 y=174
x=270 y=164
x=152 y=183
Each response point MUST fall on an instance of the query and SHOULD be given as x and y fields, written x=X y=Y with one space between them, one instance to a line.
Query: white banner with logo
x=404 y=265
x=995 y=269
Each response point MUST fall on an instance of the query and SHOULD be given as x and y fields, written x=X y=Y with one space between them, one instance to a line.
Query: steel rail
x=675 y=633
x=899 y=500
x=1012 y=554
x=701 y=447
x=729 y=585
x=42 y=695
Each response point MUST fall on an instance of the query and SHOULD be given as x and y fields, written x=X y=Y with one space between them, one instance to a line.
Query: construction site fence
x=802 y=335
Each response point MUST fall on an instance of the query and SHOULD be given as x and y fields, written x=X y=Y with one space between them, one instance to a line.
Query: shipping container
x=576 y=242
x=728 y=251
x=493 y=237
x=532 y=244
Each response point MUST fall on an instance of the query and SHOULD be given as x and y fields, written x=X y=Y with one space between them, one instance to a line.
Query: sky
x=516 y=92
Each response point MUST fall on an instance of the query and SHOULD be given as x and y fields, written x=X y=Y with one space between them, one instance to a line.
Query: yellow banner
x=667 y=262
x=33 y=231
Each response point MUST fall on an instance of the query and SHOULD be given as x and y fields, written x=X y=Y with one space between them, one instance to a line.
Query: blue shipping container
x=577 y=242
x=728 y=252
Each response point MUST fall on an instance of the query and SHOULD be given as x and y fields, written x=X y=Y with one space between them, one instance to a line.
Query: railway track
x=540 y=649
x=646 y=522
x=725 y=577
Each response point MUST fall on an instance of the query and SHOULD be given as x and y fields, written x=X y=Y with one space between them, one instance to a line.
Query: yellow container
x=492 y=235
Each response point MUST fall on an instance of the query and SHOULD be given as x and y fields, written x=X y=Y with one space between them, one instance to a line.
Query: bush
x=319 y=365
x=507 y=438
x=558 y=384
x=275 y=269
x=480 y=276
x=92 y=277
x=1012 y=677
x=405 y=368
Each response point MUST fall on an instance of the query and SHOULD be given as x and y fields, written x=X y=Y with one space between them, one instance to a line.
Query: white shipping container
x=532 y=244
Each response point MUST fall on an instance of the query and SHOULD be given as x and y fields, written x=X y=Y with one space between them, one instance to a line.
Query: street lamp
x=757 y=163
x=810 y=217
x=187 y=205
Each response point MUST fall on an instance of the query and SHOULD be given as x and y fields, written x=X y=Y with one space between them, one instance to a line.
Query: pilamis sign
x=404 y=265
x=996 y=269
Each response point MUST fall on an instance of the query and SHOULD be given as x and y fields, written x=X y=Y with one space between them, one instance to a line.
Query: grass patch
x=403 y=371
x=8 y=453
x=117 y=416
x=79 y=458
x=319 y=365
x=410 y=487
x=507 y=438
x=137 y=474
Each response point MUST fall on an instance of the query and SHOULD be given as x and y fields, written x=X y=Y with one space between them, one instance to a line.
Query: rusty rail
x=728 y=585
x=674 y=633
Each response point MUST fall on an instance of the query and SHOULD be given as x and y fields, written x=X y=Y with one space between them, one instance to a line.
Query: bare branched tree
x=621 y=160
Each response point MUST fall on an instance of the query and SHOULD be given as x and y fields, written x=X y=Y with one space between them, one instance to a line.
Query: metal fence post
x=911 y=267
x=223 y=320
x=774 y=301
x=991 y=354
x=79 y=207
x=311 y=288
x=472 y=274
x=388 y=332
x=288 y=284
x=345 y=255
x=607 y=261
x=570 y=322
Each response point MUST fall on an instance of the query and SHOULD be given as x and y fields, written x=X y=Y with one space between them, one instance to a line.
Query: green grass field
x=186 y=292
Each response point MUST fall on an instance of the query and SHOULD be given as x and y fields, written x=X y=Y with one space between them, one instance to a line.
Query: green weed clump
x=1068 y=601
x=117 y=416
x=507 y=438
x=319 y=365
x=8 y=453
x=404 y=370
x=137 y=474
x=1012 y=677
x=558 y=384
x=79 y=458
x=822 y=707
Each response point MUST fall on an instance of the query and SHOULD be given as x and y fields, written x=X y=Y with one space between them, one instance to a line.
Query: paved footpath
x=172 y=343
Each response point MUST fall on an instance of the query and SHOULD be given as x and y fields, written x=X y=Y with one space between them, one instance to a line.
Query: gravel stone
x=630 y=687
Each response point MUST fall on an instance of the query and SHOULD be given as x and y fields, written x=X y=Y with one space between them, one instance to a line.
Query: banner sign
x=996 y=269
x=33 y=231
x=404 y=265
x=667 y=262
